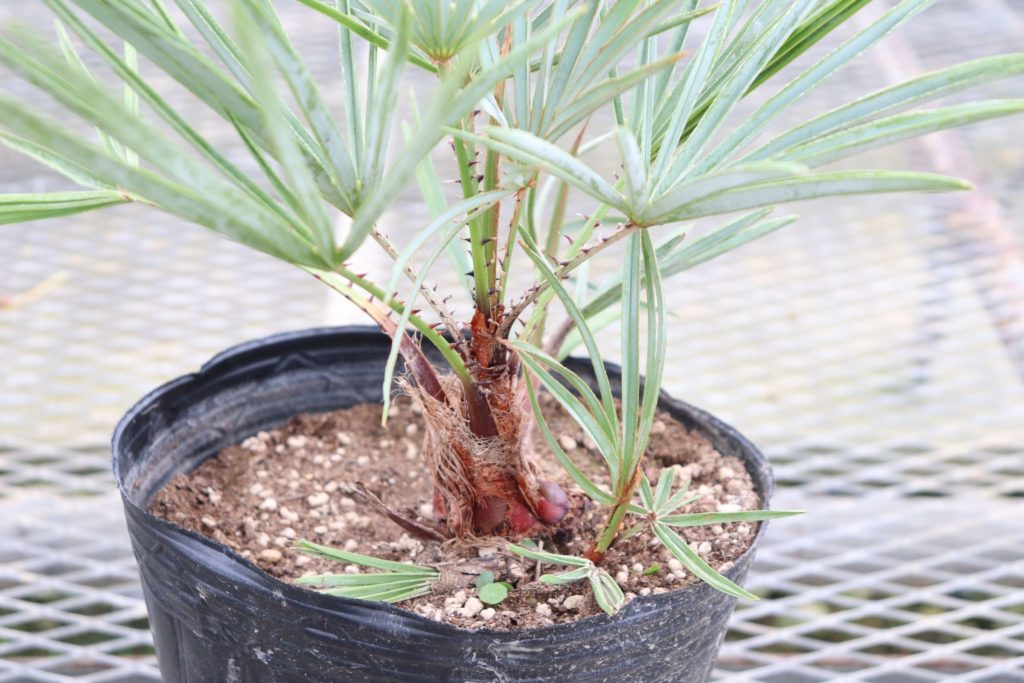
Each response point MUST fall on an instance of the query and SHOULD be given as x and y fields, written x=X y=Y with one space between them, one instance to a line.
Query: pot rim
x=221 y=363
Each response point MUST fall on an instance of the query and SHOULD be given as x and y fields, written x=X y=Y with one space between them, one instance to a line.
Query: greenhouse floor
x=875 y=351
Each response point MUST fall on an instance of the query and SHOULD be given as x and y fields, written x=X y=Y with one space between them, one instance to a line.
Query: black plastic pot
x=216 y=617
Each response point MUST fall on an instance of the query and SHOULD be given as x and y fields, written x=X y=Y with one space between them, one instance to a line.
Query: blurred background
x=874 y=350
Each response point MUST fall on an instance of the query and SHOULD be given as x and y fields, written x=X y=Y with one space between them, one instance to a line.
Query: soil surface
x=298 y=481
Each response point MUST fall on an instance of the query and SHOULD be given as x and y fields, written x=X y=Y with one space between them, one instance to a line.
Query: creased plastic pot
x=217 y=618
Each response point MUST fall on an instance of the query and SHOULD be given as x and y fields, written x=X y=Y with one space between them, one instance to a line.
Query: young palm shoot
x=607 y=594
x=396 y=581
x=518 y=93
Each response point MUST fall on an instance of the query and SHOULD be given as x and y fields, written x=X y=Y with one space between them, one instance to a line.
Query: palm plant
x=516 y=85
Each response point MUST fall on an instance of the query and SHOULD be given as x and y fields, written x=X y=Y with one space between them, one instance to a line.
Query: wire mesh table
x=875 y=351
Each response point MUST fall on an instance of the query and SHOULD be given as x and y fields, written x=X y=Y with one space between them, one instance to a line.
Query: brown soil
x=296 y=482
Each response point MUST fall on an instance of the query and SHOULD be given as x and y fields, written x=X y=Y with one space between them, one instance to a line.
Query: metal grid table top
x=875 y=351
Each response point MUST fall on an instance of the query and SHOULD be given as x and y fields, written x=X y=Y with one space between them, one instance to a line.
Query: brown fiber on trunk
x=485 y=484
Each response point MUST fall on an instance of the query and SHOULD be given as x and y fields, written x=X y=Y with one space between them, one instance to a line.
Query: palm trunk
x=485 y=483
